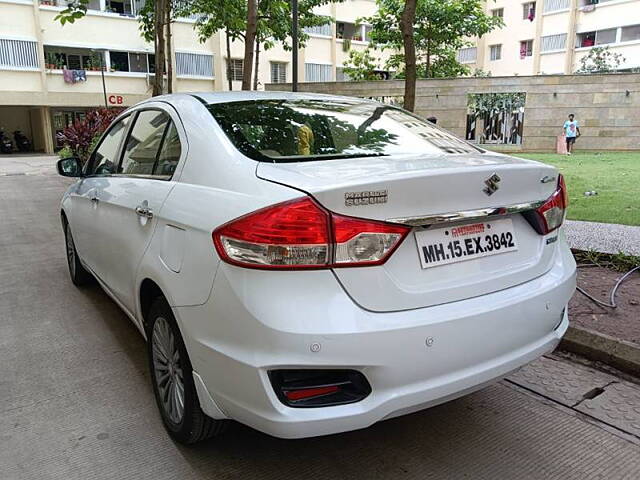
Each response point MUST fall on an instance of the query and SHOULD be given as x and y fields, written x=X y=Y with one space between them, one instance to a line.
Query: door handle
x=144 y=211
x=95 y=198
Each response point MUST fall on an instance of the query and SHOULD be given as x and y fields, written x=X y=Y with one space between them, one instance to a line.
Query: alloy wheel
x=167 y=370
x=71 y=252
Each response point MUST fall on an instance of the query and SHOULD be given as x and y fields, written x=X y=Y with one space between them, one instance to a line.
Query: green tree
x=220 y=15
x=272 y=26
x=361 y=65
x=275 y=26
x=601 y=60
x=429 y=37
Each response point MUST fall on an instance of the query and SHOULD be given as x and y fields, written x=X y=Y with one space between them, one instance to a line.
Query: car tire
x=171 y=373
x=79 y=275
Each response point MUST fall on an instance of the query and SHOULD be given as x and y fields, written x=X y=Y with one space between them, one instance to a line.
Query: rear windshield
x=302 y=130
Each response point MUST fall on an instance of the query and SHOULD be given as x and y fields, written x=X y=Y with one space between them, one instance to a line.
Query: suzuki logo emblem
x=492 y=184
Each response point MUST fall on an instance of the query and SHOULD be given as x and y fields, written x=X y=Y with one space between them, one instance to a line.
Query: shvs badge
x=370 y=197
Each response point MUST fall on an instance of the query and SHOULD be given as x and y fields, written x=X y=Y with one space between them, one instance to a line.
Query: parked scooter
x=22 y=142
x=6 y=145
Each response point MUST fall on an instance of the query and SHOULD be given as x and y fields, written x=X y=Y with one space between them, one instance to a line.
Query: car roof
x=244 y=95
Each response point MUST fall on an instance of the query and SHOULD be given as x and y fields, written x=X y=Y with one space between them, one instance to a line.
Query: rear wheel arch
x=149 y=291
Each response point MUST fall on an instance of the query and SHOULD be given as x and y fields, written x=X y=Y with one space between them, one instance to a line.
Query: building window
x=495 y=52
x=236 y=66
x=550 y=43
x=604 y=37
x=630 y=33
x=353 y=31
x=322 y=30
x=194 y=64
x=599 y=37
x=278 y=72
x=555 y=5
x=119 y=61
x=526 y=48
x=317 y=72
x=467 y=55
x=123 y=7
x=346 y=30
x=529 y=11
x=367 y=32
x=584 y=3
x=497 y=12
x=72 y=58
x=138 y=62
x=18 y=53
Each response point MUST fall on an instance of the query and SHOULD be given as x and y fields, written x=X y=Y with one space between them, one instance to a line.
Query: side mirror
x=70 y=167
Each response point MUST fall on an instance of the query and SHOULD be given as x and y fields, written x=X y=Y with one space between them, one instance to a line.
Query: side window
x=169 y=152
x=104 y=159
x=143 y=143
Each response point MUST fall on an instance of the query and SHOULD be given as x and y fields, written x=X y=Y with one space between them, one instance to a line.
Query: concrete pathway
x=27 y=164
x=603 y=237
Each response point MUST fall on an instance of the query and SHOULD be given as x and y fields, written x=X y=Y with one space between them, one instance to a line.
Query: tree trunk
x=158 y=19
x=428 y=64
x=229 y=77
x=249 y=41
x=257 y=65
x=167 y=21
x=406 y=26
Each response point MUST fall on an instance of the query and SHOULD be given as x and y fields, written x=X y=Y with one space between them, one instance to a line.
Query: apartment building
x=51 y=75
x=551 y=36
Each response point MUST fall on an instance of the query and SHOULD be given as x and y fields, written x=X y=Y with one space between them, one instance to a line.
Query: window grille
x=194 y=64
x=278 y=72
x=317 y=72
x=18 y=53
x=553 y=42
x=467 y=55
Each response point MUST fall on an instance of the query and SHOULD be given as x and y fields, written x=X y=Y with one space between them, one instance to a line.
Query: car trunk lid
x=426 y=192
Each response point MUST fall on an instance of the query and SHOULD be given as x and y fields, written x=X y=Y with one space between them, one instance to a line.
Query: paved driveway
x=76 y=401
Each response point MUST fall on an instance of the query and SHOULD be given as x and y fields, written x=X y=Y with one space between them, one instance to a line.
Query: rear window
x=302 y=130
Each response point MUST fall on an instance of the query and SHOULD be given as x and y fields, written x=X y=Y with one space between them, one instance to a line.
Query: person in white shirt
x=571 y=131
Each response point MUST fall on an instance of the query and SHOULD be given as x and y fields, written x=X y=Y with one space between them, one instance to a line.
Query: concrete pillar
x=334 y=44
x=42 y=129
x=47 y=130
x=537 y=42
x=217 y=45
x=571 y=38
x=481 y=53
x=41 y=59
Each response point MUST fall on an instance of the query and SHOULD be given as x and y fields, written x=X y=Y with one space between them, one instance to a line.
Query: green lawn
x=615 y=176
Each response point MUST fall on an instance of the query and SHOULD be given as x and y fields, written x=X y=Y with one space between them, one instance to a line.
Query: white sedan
x=309 y=264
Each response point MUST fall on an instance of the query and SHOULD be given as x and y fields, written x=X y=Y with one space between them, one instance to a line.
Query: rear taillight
x=302 y=234
x=548 y=217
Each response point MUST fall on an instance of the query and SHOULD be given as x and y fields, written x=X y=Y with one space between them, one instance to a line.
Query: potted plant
x=96 y=63
x=50 y=60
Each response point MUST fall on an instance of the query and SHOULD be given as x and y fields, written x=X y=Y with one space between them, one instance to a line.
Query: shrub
x=65 y=152
x=81 y=136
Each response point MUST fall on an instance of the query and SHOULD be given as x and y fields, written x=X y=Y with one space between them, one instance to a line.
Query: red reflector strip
x=310 y=392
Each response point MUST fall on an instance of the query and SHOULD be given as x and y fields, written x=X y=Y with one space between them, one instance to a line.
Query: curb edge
x=618 y=353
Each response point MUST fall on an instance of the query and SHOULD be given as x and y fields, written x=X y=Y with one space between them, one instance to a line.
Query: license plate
x=442 y=246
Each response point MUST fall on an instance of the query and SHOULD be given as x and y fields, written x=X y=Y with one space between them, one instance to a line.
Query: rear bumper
x=256 y=321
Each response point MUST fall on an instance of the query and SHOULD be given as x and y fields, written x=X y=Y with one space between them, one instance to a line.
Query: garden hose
x=612 y=294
